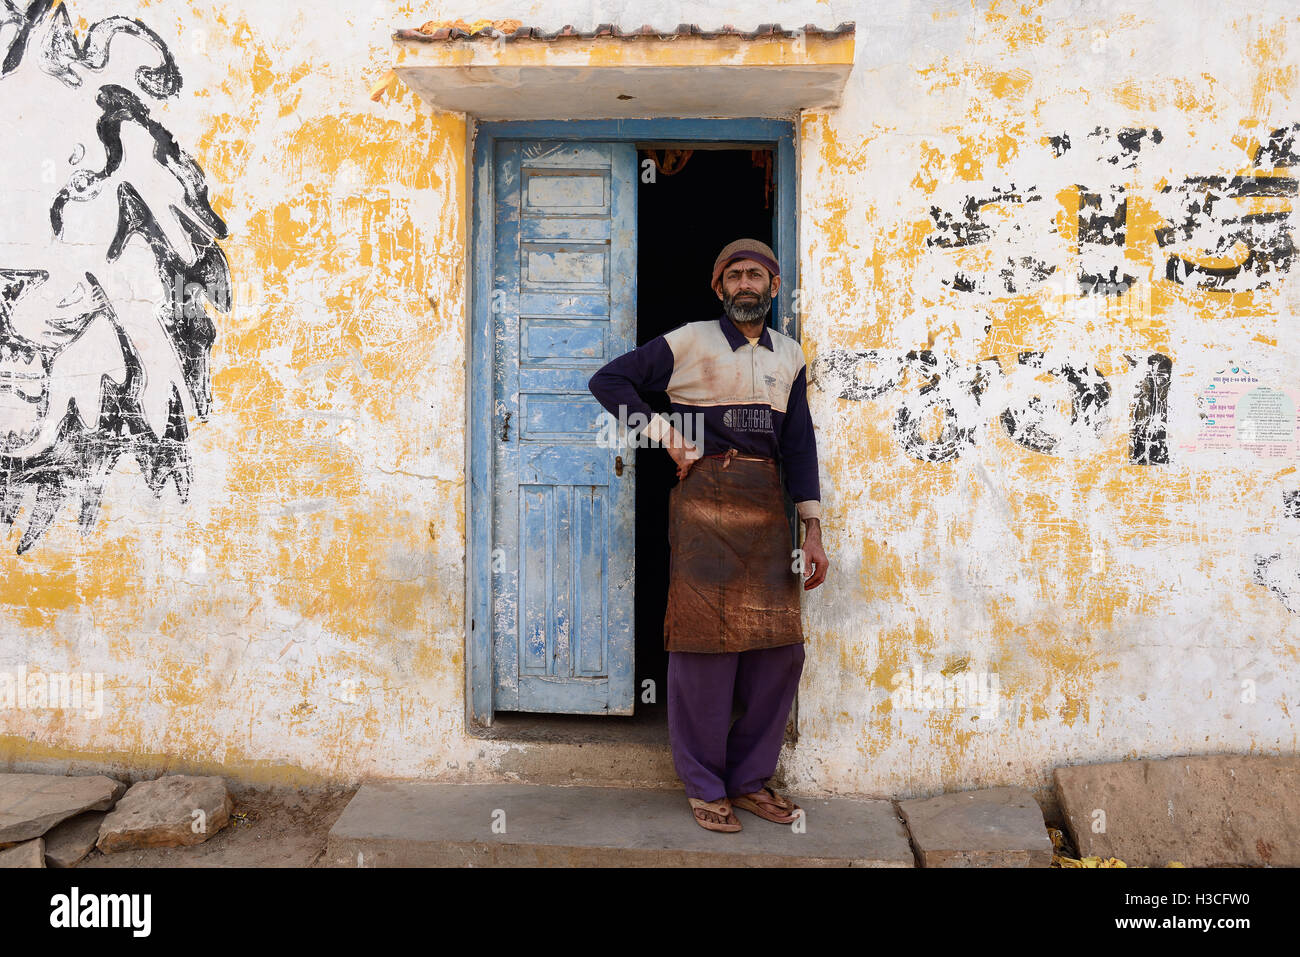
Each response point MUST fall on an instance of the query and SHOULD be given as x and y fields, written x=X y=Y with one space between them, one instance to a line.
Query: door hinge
x=618 y=465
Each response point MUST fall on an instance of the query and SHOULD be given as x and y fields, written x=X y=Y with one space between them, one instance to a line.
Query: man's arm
x=618 y=385
x=799 y=455
x=620 y=381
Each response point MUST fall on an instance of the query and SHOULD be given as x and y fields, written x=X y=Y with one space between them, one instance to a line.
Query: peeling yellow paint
x=685 y=51
x=302 y=618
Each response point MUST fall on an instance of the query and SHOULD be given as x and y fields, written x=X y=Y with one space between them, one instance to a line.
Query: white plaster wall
x=301 y=615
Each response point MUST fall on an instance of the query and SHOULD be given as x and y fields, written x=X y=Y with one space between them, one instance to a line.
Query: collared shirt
x=753 y=396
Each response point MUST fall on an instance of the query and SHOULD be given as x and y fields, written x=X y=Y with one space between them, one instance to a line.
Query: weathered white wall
x=1122 y=607
x=301 y=615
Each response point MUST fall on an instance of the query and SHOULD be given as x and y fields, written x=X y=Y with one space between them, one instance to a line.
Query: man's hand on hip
x=814 y=556
x=682 y=452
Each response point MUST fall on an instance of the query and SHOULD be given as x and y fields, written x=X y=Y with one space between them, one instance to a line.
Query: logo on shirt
x=748 y=420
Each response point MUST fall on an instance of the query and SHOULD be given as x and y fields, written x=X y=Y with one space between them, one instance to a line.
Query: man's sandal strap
x=777 y=801
x=717 y=807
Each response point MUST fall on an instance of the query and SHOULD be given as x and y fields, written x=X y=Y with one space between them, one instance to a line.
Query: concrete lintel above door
x=496 y=76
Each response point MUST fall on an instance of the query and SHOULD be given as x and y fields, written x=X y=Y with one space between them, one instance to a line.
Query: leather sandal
x=776 y=808
x=721 y=808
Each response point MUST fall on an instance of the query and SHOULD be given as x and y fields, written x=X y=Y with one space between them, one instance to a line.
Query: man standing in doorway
x=732 y=627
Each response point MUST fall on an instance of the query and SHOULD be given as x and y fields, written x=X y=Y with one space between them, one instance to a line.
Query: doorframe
x=776 y=134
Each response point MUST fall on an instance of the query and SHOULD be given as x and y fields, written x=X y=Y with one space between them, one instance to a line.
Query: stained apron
x=731 y=579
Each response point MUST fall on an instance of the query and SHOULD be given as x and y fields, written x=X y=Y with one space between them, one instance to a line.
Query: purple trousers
x=713 y=757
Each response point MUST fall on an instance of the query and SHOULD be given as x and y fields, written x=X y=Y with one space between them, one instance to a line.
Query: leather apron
x=731 y=579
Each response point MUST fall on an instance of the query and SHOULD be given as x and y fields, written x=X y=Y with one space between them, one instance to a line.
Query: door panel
x=564 y=294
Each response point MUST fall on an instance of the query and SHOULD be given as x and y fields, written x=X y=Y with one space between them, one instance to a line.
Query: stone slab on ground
x=272 y=826
x=1203 y=811
x=427 y=824
x=69 y=841
x=165 y=813
x=31 y=804
x=28 y=854
x=996 y=827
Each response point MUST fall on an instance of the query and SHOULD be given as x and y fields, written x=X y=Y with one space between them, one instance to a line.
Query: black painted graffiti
x=1277 y=573
x=941 y=419
x=1089 y=404
x=1129 y=141
x=1102 y=220
x=951 y=395
x=105 y=277
x=1280 y=150
x=1260 y=241
x=941 y=393
x=1291 y=504
x=1281 y=578
x=1149 y=443
x=1213 y=237
x=970 y=227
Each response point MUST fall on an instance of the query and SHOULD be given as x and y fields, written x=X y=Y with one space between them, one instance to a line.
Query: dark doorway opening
x=690 y=203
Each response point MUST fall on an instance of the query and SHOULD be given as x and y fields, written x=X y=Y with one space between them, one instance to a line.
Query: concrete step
x=425 y=824
x=995 y=827
x=1206 y=810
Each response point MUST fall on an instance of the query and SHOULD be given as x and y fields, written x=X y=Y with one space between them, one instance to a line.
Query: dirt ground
x=280 y=828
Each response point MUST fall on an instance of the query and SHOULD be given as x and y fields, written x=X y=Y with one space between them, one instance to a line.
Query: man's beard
x=746 y=313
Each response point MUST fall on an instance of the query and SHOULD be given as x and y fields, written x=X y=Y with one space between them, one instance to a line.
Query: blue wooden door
x=563 y=304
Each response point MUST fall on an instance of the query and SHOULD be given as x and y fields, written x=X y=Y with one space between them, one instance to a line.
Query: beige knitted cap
x=761 y=253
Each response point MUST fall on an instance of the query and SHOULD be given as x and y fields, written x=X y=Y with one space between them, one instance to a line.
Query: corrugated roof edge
x=613 y=30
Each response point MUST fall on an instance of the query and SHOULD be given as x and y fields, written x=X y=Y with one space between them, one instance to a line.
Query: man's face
x=747 y=290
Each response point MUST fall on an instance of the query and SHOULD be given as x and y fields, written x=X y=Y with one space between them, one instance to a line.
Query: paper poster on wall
x=1239 y=411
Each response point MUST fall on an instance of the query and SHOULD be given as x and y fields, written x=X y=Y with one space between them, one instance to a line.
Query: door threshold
x=646 y=726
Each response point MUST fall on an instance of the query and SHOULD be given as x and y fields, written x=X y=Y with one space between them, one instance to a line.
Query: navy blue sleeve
x=799 y=444
x=621 y=381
